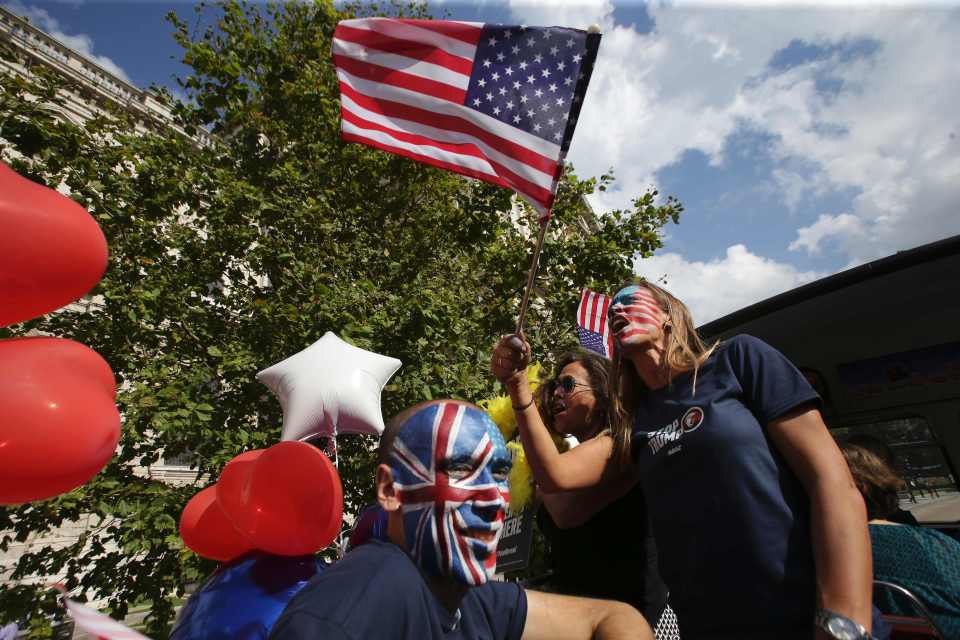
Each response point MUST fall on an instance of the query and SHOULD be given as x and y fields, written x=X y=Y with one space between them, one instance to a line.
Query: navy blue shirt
x=731 y=520
x=377 y=593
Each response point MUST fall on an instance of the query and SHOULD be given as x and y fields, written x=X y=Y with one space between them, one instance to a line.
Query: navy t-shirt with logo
x=377 y=593
x=731 y=520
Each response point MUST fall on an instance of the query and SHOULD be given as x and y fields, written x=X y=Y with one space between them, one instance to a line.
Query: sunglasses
x=565 y=383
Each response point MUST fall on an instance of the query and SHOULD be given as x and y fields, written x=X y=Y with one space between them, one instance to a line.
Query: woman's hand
x=582 y=467
x=509 y=360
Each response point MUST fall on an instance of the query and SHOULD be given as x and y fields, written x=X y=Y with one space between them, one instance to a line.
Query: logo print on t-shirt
x=690 y=421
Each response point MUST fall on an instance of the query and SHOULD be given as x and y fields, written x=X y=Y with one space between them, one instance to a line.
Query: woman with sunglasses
x=592 y=531
x=760 y=530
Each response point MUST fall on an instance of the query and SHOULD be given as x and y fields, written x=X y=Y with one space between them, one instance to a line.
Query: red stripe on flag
x=593 y=313
x=582 y=311
x=453 y=147
x=392 y=77
x=603 y=317
x=393 y=109
x=400 y=151
x=524 y=186
x=604 y=328
x=463 y=31
x=407 y=48
x=504 y=176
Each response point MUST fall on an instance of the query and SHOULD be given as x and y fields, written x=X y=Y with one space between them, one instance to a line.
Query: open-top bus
x=881 y=343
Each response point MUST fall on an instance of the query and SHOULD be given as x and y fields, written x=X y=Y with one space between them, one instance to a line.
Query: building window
x=184 y=459
x=931 y=491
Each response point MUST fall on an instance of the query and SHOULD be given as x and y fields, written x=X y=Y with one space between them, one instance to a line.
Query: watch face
x=843 y=629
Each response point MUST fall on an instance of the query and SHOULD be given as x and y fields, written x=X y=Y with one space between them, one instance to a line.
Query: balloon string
x=336 y=463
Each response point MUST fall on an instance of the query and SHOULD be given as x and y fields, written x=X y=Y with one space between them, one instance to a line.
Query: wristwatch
x=839 y=626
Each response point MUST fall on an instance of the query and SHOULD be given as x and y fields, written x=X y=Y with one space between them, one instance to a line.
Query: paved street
x=946 y=508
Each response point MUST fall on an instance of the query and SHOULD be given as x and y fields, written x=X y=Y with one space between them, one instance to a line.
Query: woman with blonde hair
x=760 y=530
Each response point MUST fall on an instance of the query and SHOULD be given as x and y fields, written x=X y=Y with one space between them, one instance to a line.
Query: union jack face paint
x=634 y=315
x=450 y=468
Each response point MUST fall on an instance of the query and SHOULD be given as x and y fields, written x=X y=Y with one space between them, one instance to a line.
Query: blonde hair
x=685 y=351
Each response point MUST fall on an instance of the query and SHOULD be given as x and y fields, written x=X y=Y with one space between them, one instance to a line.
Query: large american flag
x=592 y=327
x=493 y=102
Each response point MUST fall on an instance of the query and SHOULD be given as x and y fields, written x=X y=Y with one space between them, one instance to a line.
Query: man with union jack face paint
x=442 y=485
x=450 y=468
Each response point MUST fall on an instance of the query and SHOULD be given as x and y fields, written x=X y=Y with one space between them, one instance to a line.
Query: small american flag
x=496 y=103
x=592 y=325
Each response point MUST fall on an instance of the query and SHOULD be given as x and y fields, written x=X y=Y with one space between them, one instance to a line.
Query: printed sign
x=513 y=553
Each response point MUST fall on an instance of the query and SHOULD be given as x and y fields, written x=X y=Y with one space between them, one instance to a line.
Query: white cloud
x=827 y=226
x=81 y=43
x=715 y=288
x=890 y=133
x=881 y=126
x=578 y=14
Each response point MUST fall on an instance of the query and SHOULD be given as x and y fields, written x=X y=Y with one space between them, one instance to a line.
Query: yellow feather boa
x=501 y=410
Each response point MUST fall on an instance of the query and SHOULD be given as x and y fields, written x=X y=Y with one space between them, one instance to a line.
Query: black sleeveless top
x=611 y=556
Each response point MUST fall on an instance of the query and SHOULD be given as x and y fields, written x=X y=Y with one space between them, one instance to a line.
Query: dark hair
x=877 y=482
x=598 y=373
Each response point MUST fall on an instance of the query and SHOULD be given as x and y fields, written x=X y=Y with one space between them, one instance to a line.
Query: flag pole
x=532 y=275
x=594 y=38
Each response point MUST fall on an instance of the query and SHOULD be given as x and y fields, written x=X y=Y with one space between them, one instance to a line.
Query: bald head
x=390 y=432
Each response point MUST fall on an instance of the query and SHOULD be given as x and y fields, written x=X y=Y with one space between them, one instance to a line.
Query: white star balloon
x=330 y=387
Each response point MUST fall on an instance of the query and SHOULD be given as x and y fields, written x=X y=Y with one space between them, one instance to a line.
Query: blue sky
x=801 y=140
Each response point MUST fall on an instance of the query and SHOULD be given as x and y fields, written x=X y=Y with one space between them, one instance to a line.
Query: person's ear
x=386 y=492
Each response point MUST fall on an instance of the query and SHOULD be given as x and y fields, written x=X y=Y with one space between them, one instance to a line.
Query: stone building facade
x=97 y=87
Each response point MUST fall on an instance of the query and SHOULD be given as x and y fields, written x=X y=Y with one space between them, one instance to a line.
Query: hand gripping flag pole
x=493 y=102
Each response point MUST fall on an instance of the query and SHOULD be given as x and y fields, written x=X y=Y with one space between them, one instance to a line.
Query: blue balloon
x=243 y=599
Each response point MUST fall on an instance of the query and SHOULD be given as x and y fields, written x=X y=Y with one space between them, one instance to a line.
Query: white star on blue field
x=800 y=140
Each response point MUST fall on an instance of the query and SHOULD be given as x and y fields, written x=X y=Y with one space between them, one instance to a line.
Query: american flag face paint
x=450 y=468
x=634 y=315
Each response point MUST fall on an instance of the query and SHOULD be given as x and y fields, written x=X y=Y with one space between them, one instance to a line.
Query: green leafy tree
x=230 y=256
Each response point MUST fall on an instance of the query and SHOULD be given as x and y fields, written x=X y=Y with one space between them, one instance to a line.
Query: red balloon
x=208 y=532
x=288 y=501
x=59 y=423
x=233 y=478
x=51 y=250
